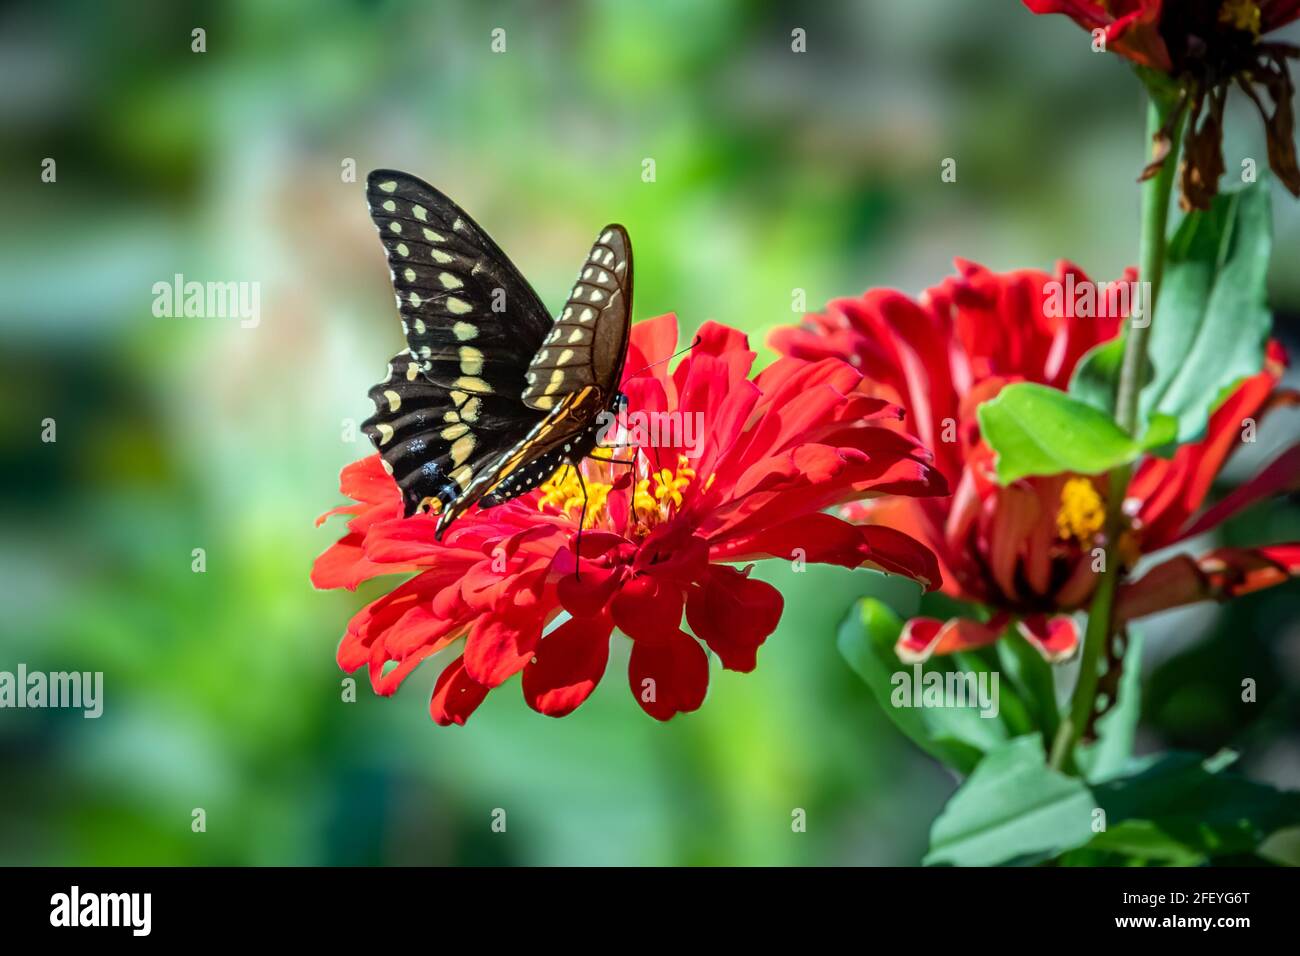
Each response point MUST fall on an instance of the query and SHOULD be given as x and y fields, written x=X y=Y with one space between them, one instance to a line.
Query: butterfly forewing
x=451 y=404
x=588 y=342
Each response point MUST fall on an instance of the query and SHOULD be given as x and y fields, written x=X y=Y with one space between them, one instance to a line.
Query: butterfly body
x=491 y=395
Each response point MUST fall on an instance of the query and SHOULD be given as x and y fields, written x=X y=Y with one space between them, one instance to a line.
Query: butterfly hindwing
x=588 y=342
x=567 y=434
x=433 y=439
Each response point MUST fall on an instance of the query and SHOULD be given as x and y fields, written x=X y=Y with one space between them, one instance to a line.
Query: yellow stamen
x=1241 y=15
x=564 y=491
x=654 y=500
x=1082 y=513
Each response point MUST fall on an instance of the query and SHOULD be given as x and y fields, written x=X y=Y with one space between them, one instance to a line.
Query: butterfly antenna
x=698 y=340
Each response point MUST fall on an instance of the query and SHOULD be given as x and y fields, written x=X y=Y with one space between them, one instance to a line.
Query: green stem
x=1155 y=218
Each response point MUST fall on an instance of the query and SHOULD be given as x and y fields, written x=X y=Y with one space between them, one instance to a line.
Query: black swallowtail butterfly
x=491 y=395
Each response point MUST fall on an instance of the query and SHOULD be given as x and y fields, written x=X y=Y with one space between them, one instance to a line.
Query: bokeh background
x=775 y=171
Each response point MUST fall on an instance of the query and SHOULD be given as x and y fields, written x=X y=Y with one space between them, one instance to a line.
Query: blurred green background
x=774 y=171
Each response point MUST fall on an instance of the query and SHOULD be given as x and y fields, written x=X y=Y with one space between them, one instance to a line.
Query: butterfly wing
x=588 y=342
x=567 y=434
x=451 y=405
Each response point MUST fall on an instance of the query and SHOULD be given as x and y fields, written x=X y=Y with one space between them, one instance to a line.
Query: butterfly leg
x=582 y=519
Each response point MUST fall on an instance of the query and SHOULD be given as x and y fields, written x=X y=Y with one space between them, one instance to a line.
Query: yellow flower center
x=655 y=500
x=1241 y=15
x=1082 y=513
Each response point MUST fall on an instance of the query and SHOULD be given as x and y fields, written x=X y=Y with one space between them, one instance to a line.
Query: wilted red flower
x=1205 y=46
x=1026 y=551
x=774 y=452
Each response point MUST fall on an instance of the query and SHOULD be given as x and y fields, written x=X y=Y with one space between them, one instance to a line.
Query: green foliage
x=1037 y=430
x=958 y=736
x=1212 y=321
x=1012 y=808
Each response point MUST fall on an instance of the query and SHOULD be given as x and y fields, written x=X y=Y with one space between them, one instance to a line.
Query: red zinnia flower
x=1026 y=550
x=773 y=453
x=1205 y=46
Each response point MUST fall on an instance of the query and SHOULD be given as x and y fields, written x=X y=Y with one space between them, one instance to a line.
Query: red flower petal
x=734 y=614
x=589 y=594
x=648 y=608
x=1056 y=638
x=925 y=637
x=652 y=343
x=825 y=539
x=568 y=665
x=344 y=565
x=455 y=695
x=670 y=677
x=1281 y=476
x=1172 y=490
x=1222 y=574
x=503 y=640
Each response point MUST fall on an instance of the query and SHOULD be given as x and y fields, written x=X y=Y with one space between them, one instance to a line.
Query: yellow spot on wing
x=462 y=448
x=389 y=186
x=458 y=306
x=471 y=360
x=394 y=400
x=385 y=433
x=464 y=331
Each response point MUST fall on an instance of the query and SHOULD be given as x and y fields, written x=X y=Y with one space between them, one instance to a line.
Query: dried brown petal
x=1163 y=141
x=1203 y=154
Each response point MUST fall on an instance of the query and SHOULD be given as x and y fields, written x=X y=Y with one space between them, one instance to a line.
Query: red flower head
x=739 y=469
x=1205 y=46
x=1026 y=550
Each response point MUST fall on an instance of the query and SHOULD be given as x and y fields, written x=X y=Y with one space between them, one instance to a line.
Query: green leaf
x=1013 y=808
x=1191 y=801
x=1037 y=430
x=1110 y=754
x=1033 y=676
x=1212 y=320
x=957 y=736
x=1096 y=375
x=1142 y=840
